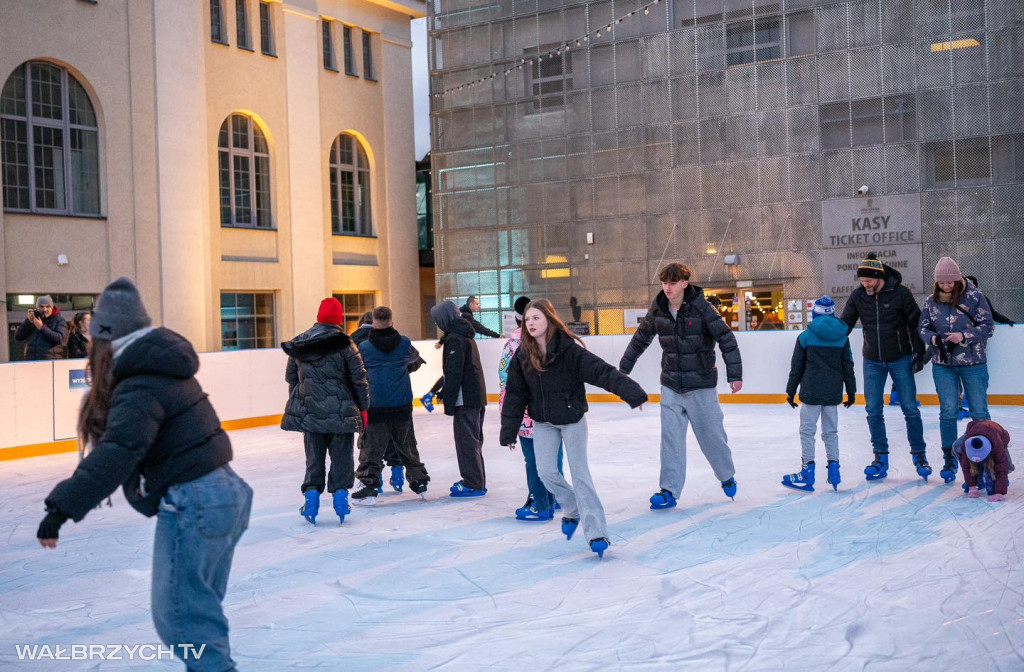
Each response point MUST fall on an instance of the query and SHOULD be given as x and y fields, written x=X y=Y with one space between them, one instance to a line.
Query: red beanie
x=330 y=312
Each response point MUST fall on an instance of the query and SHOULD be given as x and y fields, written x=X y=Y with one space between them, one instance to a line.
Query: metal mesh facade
x=702 y=129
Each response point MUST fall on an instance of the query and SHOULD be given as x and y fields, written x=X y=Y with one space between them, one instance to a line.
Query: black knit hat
x=520 y=307
x=871 y=267
x=118 y=312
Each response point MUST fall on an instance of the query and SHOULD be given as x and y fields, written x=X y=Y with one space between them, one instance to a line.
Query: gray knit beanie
x=118 y=312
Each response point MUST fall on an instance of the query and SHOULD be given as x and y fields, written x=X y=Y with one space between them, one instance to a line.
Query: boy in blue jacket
x=388 y=357
x=822 y=364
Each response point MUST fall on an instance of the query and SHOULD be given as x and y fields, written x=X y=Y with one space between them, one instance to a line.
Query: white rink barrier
x=39 y=401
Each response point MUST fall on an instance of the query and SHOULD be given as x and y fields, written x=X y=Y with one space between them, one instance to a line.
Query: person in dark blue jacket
x=389 y=358
x=152 y=430
x=822 y=364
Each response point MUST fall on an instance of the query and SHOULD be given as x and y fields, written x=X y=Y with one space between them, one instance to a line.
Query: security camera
x=863 y=191
x=62 y=260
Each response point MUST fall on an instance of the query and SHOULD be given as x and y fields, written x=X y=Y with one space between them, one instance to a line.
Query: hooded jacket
x=389 y=357
x=889 y=318
x=687 y=343
x=327 y=385
x=822 y=363
x=161 y=430
x=463 y=375
x=1001 y=462
x=557 y=395
x=45 y=343
x=972 y=317
x=361 y=334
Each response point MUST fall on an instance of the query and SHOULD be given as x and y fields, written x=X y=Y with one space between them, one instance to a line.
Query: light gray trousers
x=578 y=500
x=829 y=431
x=701 y=409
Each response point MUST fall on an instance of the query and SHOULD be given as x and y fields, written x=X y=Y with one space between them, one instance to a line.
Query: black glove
x=789 y=400
x=50 y=527
x=919 y=362
x=850 y=399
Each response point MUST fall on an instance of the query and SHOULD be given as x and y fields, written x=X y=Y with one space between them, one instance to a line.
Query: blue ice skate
x=924 y=470
x=662 y=500
x=311 y=508
x=428 y=402
x=531 y=512
x=729 y=488
x=397 y=479
x=949 y=465
x=801 y=481
x=599 y=546
x=833 y=474
x=341 y=506
x=878 y=469
x=460 y=489
x=569 y=526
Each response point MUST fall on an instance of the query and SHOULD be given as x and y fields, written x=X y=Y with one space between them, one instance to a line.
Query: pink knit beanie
x=947 y=271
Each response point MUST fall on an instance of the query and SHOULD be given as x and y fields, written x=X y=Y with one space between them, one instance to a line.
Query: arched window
x=51 y=157
x=350 y=188
x=244 y=171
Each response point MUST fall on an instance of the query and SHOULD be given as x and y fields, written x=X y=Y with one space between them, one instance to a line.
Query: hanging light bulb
x=577 y=43
x=647 y=10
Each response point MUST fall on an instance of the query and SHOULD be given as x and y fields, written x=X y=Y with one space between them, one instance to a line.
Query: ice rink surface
x=892 y=575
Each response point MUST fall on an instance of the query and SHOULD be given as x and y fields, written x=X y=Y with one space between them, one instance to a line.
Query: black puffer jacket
x=463 y=374
x=327 y=386
x=45 y=343
x=361 y=334
x=557 y=395
x=889 y=318
x=687 y=343
x=161 y=430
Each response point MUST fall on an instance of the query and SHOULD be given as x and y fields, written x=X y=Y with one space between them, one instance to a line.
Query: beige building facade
x=239 y=159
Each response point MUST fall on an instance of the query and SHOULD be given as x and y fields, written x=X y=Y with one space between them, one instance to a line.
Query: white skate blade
x=366 y=501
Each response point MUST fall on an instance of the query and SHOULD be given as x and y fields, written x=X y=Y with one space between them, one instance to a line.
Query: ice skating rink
x=891 y=575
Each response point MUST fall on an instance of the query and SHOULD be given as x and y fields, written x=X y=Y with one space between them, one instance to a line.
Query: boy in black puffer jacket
x=687 y=327
x=822 y=364
x=327 y=400
x=465 y=396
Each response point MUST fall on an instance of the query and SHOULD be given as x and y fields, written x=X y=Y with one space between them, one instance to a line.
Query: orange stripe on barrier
x=249 y=423
x=38 y=450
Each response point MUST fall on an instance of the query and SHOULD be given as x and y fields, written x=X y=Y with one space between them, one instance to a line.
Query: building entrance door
x=750 y=308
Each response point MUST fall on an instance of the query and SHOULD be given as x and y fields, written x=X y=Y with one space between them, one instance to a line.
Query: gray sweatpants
x=578 y=500
x=701 y=409
x=829 y=430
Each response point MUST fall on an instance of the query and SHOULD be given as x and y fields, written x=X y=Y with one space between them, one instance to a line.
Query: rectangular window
x=266 y=30
x=328 y=40
x=15 y=165
x=860 y=123
x=753 y=41
x=246 y=321
x=49 y=162
x=368 y=72
x=900 y=118
x=354 y=305
x=800 y=34
x=242 y=32
x=217 y=30
x=962 y=163
x=548 y=80
x=350 y=55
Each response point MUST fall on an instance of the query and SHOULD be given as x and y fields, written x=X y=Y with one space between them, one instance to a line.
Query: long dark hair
x=529 y=344
x=92 y=419
x=76 y=322
x=959 y=289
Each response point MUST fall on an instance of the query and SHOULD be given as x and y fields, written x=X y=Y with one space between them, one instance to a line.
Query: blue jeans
x=542 y=499
x=197 y=527
x=947 y=384
x=875 y=374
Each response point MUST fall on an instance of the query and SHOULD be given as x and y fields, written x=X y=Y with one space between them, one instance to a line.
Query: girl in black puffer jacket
x=547 y=375
x=153 y=431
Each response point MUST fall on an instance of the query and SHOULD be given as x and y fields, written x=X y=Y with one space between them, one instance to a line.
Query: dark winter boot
x=366 y=495
x=924 y=470
x=569 y=526
x=341 y=506
x=949 y=466
x=729 y=488
x=419 y=487
x=803 y=480
x=311 y=508
x=833 y=474
x=878 y=469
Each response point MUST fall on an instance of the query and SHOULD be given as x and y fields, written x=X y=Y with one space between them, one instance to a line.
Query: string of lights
x=579 y=42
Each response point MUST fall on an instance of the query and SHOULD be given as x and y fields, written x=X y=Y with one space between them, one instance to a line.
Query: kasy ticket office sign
x=889 y=226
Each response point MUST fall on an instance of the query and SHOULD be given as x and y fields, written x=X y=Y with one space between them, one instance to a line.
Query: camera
x=38 y=314
x=864 y=190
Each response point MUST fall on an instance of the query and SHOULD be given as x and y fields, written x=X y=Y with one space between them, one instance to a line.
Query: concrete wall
x=247 y=388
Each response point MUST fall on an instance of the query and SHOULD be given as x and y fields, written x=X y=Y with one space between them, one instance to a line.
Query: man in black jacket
x=44 y=331
x=465 y=396
x=889 y=314
x=472 y=305
x=327 y=401
x=687 y=327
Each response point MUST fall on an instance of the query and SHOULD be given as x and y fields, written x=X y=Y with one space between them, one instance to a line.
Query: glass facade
x=768 y=145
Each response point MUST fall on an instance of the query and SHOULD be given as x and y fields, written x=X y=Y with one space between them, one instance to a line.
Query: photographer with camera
x=957 y=322
x=44 y=331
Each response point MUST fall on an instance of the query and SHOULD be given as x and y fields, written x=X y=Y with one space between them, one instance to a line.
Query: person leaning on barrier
x=44 y=331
